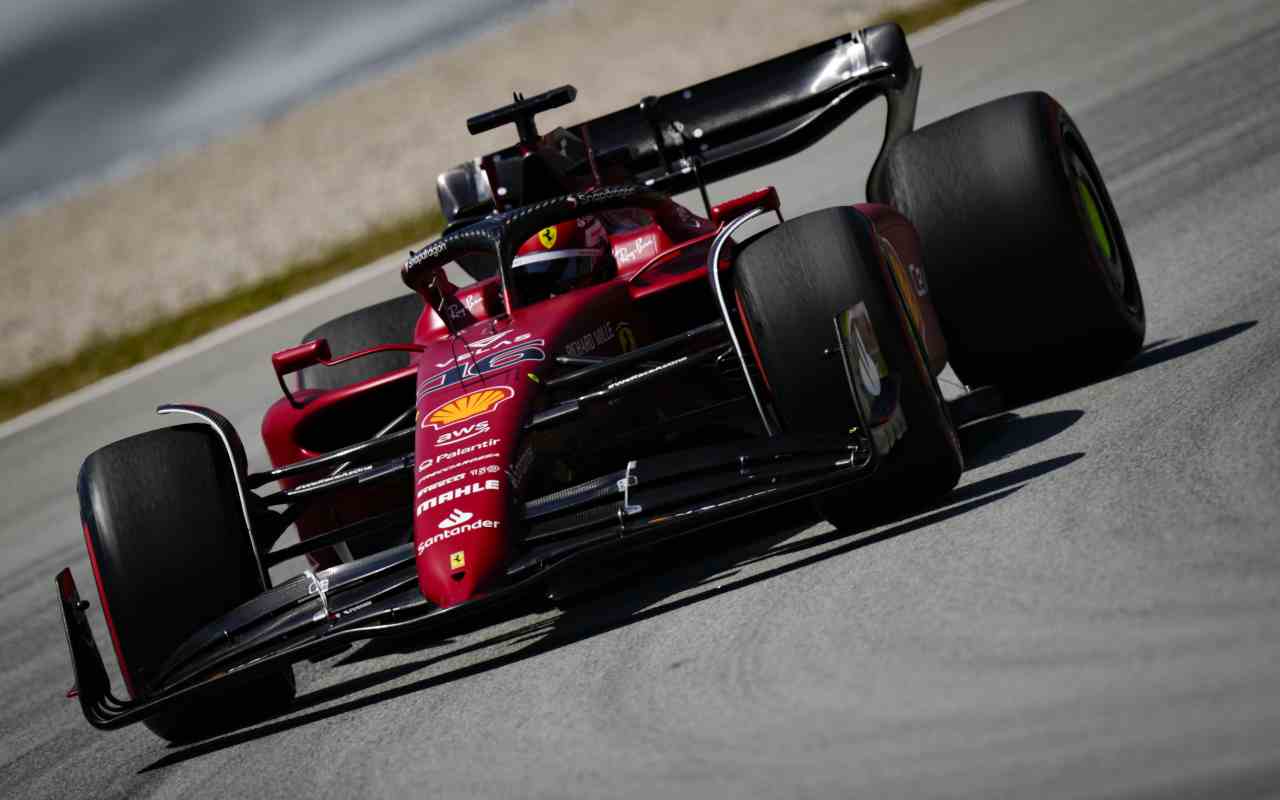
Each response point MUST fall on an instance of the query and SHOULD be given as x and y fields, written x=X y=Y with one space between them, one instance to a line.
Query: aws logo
x=462 y=434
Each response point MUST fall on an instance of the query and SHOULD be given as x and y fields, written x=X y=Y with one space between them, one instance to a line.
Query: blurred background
x=158 y=155
x=97 y=88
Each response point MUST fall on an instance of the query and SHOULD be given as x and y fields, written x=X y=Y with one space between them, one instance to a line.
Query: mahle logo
x=475 y=487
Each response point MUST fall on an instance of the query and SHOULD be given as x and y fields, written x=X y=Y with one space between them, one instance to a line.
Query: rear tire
x=1026 y=259
x=170 y=553
x=389 y=322
x=791 y=281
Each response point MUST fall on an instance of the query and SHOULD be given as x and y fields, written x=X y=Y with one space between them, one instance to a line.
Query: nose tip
x=459 y=589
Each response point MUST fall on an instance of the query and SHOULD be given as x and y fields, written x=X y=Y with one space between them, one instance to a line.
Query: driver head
x=561 y=257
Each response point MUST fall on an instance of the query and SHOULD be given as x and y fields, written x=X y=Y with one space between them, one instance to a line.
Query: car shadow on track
x=707 y=567
x=1153 y=354
x=1163 y=350
x=996 y=438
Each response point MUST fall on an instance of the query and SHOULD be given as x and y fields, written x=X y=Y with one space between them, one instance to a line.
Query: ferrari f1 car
x=586 y=368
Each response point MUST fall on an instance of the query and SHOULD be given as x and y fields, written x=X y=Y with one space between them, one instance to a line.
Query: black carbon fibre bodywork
x=313 y=613
x=702 y=133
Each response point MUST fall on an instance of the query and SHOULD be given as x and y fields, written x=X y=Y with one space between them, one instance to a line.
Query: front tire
x=1027 y=262
x=389 y=322
x=170 y=553
x=791 y=281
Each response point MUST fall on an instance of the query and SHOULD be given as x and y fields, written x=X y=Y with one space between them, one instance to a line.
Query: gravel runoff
x=198 y=224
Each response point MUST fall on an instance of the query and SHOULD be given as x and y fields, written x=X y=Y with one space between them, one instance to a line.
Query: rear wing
x=718 y=128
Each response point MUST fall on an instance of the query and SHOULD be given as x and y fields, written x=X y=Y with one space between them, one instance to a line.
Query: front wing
x=318 y=614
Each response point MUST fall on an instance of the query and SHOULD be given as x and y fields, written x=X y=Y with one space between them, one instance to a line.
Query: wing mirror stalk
x=317 y=353
x=728 y=211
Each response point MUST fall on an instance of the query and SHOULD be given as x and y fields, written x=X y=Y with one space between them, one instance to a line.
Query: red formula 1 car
x=621 y=371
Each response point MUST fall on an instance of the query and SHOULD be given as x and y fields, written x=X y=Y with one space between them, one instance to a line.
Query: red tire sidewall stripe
x=751 y=340
x=106 y=611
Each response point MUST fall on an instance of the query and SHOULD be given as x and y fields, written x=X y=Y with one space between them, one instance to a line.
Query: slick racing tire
x=389 y=322
x=1026 y=259
x=791 y=281
x=170 y=553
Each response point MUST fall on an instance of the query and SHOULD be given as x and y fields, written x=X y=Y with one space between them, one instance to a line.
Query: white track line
x=964 y=19
x=383 y=266
x=337 y=286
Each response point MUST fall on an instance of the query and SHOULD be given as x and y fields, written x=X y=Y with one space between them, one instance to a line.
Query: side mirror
x=766 y=198
x=464 y=192
x=293 y=359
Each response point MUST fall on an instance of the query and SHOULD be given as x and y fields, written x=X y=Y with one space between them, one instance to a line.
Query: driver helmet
x=561 y=257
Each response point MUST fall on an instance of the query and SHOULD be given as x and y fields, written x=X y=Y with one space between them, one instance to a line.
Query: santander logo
x=456 y=517
x=466 y=527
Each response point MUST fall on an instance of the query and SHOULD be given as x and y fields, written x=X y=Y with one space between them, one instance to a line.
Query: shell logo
x=464 y=407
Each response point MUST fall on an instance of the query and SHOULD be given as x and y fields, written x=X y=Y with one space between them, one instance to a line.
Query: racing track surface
x=1092 y=613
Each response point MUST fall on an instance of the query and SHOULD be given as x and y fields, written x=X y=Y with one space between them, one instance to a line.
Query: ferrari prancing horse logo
x=548 y=237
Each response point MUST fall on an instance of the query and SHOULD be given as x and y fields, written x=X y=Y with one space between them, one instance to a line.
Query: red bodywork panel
x=472 y=402
x=475 y=390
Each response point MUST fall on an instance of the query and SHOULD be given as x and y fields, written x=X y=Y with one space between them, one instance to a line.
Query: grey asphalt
x=1093 y=612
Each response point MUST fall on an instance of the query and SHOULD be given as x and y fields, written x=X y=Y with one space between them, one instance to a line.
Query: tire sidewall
x=170 y=553
x=927 y=460
x=1018 y=279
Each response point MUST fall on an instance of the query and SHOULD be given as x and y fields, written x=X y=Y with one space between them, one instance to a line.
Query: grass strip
x=922 y=16
x=108 y=356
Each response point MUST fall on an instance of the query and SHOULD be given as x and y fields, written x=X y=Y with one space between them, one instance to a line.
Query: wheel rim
x=1096 y=224
x=1099 y=227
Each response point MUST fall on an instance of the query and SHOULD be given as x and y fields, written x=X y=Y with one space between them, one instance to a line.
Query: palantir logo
x=456 y=517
